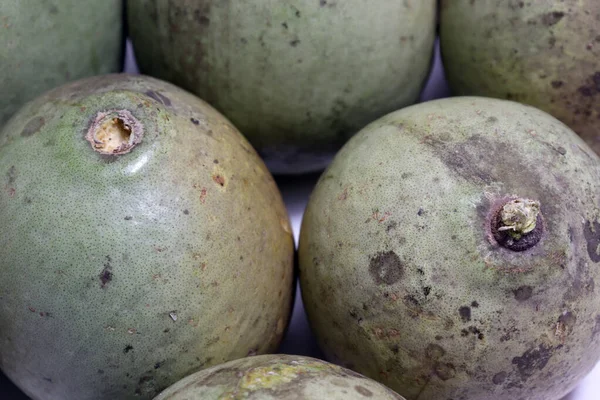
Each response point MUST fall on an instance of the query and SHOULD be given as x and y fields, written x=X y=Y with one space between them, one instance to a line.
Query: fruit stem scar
x=519 y=217
x=517 y=224
x=115 y=132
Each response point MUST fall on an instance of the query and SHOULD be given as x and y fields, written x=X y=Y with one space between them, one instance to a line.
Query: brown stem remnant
x=518 y=224
x=115 y=132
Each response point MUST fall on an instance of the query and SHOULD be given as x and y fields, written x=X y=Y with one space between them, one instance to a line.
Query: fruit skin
x=296 y=77
x=271 y=377
x=542 y=53
x=402 y=280
x=46 y=44
x=120 y=275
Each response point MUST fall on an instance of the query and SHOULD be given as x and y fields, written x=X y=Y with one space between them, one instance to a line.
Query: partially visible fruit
x=277 y=377
x=44 y=44
x=298 y=78
x=542 y=53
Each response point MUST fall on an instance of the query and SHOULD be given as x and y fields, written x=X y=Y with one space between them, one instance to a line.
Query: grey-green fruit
x=542 y=53
x=121 y=273
x=411 y=275
x=277 y=377
x=297 y=77
x=44 y=44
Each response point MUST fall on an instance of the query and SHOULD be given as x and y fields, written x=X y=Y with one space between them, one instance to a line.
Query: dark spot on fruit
x=386 y=268
x=532 y=360
x=219 y=179
x=295 y=42
x=127 y=349
x=434 y=352
x=215 y=161
x=499 y=378
x=33 y=126
x=158 y=365
x=465 y=313
x=596 y=329
x=552 y=18
x=200 y=18
x=162 y=99
x=48 y=379
x=420 y=212
x=568 y=320
x=591 y=232
x=106 y=275
x=363 y=391
x=128 y=218
x=391 y=226
x=12 y=175
x=285 y=25
x=186 y=212
x=426 y=290
x=523 y=293
x=474 y=304
x=195 y=121
x=444 y=371
x=556 y=84
x=100 y=371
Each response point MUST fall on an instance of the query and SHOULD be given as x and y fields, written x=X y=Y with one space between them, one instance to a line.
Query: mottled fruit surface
x=44 y=44
x=142 y=239
x=297 y=77
x=542 y=53
x=277 y=377
x=451 y=251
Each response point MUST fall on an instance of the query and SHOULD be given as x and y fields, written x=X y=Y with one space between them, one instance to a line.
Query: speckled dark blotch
x=386 y=268
x=465 y=313
x=33 y=126
x=532 y=360
x=591 y=232
x=523 y=293
x=499 y=378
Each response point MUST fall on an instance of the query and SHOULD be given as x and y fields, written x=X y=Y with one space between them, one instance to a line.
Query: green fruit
x=296 y=77
x=142 y=239
x=419 y=269
x=542 y=53
x=45 y=44
x=277 y=377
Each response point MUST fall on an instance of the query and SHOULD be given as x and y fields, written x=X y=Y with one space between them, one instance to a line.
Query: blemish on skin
x=195 y=121
x=499 y=378
x=106 y=275
x=162 y=99
x=363 y=391
x=532 y=360
x=523 y=293
x=386 y=268
x=33 y=126
x=127 y=349
x=444 y=371
x=591 y=232
x=465 y=313
x=219 y=179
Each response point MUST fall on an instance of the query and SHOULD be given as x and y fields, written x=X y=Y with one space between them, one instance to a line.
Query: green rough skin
x=403 y=281
x=44 y=44
x=277 y=377
x=121 y=274
x=543 y=53
x=297 y=77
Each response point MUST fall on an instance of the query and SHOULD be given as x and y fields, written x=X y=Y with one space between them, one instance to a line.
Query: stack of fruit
x=448 y=251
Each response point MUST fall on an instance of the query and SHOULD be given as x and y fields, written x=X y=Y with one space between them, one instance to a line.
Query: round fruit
x=451 y=250
x=273 y=377
x=542 y=53
x=46 y=44
x=296 y=77
x=142 y=238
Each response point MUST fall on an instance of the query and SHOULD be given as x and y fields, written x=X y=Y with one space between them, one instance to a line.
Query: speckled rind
x=44 y=44
x=402 y=279
x=120 y=275
x=277 y=377
x=542 y=53
x=297 y=77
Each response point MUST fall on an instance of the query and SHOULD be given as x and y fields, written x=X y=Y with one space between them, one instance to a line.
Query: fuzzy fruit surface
x=297 y=77
x=121 y=274
x=277 y=377
x=45 y=44
x=555 y=68
x=402 y=277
